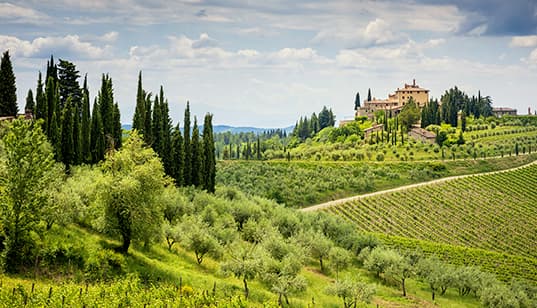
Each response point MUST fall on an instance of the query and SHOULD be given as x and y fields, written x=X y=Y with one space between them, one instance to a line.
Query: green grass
x=491 y=212
x=153 y=276
x=303 y=183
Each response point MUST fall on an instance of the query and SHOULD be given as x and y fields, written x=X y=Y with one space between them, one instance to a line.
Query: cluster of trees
x=451 y=103
x=8 y=89
x=76 y=135
x=188 y=158
x=249 y=145
x=306 y=128
x=395 y=267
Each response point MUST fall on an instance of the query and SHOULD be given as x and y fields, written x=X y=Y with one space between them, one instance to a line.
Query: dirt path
x=358 y=197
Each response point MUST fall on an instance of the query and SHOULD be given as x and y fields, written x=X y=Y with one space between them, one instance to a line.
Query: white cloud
x=109 y=37
x=533 y=56
x=376 y=32
x=19 y=14
x=524 y=41
x=69 y=45
x=248 y=53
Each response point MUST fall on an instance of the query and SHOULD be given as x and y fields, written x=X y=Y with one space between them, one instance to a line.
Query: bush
x=380 y=157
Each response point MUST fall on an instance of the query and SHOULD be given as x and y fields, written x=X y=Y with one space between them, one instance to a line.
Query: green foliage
x=209 y=163
x=8 y=89
x=410 y=114
x=133 y=179
x=352 y=292
x=26 y=170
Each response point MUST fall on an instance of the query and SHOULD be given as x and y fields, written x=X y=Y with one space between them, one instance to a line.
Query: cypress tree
x=55 y=123
x=148 y=138
x=117 y=134
x=156 y=130
x=187 y=167
x=67 y=143
x=30 y=103
x=166 y=143
x=178 y=156
x=85 y=125
x=51 y=104
x=106 y=106
x=40 y=102
x=369 y=94
x=97 y=141
x=357 y=101
x=196 y=155
x=138 y=120
x=8 y=89
x=52 y=71
x=77 y=142
x=258 y=151
x=68 y=82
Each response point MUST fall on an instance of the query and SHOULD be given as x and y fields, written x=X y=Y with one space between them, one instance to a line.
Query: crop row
x=493 y=212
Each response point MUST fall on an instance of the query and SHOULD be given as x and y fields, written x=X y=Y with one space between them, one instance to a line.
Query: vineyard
x=492 y=212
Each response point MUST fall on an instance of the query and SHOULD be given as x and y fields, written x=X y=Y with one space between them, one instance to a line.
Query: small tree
x=410 y=114
x=8 y=89
x=400 y=270
x=26 y=171
x=339 y=258
x=199 y=239
x=243 y=262
x=134 y=178
x=352 y=292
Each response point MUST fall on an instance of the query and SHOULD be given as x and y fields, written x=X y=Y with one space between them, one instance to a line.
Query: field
x=487 y=142
x=303 y=183
x=491 y=212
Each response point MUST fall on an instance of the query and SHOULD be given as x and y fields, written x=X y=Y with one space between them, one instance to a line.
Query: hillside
x=490 y=212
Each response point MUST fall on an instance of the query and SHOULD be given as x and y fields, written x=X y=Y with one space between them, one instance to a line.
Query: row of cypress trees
x=187 y=158
x=76 y=135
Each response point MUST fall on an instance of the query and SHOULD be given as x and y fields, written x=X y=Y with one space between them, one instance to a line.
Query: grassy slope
x=494 y=212
x=303 y=183
x=165 y=269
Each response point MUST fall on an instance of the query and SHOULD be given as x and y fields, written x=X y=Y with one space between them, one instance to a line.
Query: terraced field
x=491 y=212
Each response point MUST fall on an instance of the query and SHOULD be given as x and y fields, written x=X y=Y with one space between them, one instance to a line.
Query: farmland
x=302 y=183
x=490 y=212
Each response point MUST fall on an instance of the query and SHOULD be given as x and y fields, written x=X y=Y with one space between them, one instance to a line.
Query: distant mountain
x=232 y=129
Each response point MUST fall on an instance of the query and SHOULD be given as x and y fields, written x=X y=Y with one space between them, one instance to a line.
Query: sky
x=266 y=63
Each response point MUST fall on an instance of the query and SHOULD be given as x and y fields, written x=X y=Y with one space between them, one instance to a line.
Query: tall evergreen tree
x=209 y=160
x=67 y=143
x=97 y=139
x=148 y=138
x=8 y=89
x=178 y=156
x=196 y=155
x=30 y=103
x=138 y=120
x=106 y=106
x=116 y=133
x=369 y=94
x=85 y=126
x=77 y=135
x=187 y=166
x=156 y=129
x=52 y=70
x=357 y=101
x=68 y=82
x=52 y=104
x=40 y=101
x=166 y=137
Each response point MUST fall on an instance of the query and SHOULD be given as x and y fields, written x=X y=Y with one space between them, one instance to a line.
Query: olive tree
x=133 y=180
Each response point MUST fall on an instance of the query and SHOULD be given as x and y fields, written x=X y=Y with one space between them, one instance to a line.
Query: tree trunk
x=403 y=284
x=321 y=263
x=246 y=291
x=126 y=243
x=280 y=303
x=286 y=299
x=432 y=295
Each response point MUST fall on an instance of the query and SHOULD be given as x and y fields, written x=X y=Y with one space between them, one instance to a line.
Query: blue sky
x=265 y=63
